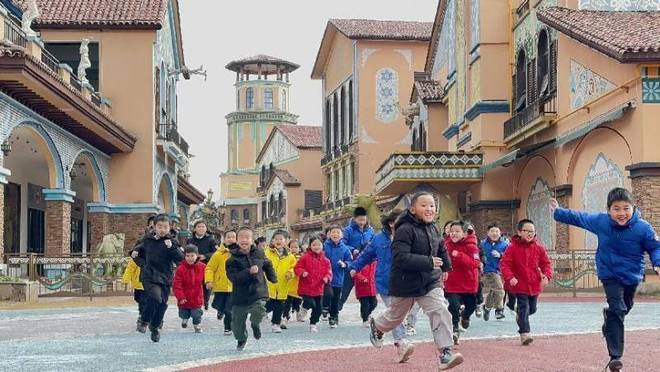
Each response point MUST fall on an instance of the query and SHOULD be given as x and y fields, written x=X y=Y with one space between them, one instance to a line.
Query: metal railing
x=542 y=106
x=75 y=83
x=14 y=34
x=50 y=61
x=169 y=133
x=96 y=99
x=574 y=271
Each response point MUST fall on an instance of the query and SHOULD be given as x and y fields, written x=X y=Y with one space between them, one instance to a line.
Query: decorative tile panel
x=526 y=33
x=538 y=210
x=651 y=90
x=586 y=85
x=387 y=95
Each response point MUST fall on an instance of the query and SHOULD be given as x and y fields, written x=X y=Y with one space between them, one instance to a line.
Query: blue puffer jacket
x=492 y=264
x=620 y=252
x=379 y=249
x=335 y=252
x=357 y=238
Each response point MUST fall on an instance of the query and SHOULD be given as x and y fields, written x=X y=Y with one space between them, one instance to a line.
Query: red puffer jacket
x=188 y=281
x=464 y=255
x=365 y=281
x=318 y=268
x=525 y=262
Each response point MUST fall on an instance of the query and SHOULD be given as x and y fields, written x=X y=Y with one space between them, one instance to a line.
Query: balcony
x=335 y=153
x=170 y=138
x=531 y=119
x=446 y=171
x=32 y=76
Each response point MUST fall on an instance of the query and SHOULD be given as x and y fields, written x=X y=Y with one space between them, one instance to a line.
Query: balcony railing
x=14 y=34
x=169 y=132
x=50 y=61
x=546 y=105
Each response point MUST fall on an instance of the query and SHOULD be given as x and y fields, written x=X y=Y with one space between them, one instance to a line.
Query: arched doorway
x=87 y=183
x=165 y=199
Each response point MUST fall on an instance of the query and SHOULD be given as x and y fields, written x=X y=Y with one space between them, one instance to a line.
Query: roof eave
x=97 y=26
x=323 y=52
x=437 y=28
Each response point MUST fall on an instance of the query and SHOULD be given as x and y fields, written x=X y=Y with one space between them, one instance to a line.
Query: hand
x=355 y=252
x=481 y=266
x=326 y=280
x=209 y=286
x=341 y=264
x=134 y=254
x=554 y=204
x=495 y=254
x=305 y=274
x=352 y=273
x=544 y=280
x=437 y=262
x=254 y=269
x=201 y=257
x=445 y=276
x=514 y=282
x=168 y=243
x=454 y=253
x=657 y=269
x=183 y=301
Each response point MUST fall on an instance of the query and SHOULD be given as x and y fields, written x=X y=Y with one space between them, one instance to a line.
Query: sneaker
x=615 y=365
x=141 y=327
x=227 y=332
x=478 y=311
x=333 y=323
x=449 y=359
x=525 y=339
x=155 y=335
x=240 y=346
x=365 y=324
x=465 y=323
x=375 y=336
x=184 y=323
x=499 y=314
x=284 y=323
x=198 y=328
x=456 y=336
x=486 y=313
x=206 y=306
x=404 y=351
x=301 y=315
x=220 y=316
x=256 y=332
x=324 y=315
x=410 y=330
x=276 y=328
x=313 y=328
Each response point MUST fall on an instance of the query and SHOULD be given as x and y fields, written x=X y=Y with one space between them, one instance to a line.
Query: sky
x=219 y=31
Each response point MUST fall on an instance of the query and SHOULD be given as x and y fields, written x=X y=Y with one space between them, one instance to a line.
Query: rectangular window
x=36 y=231
x=69 y=53
x=268 y=99
x=249 y=98
x=313 y=199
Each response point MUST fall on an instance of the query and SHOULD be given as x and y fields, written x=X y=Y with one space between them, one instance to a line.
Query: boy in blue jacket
x=356 y=235
x=340 y=257
x=493 y=248
x=623 y=237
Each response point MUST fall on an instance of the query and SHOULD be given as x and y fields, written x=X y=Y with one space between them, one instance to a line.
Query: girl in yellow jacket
x=283 y=263
x=215 y=277
x=293 y=301
x=132 y=276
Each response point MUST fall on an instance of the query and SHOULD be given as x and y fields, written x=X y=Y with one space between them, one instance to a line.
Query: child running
x=356 y=235
x=623 y=237
x=463 y=281
x=493 y=247
x=188 y=284
x=340 y=257
x=365 y=291
x=283 y=263
x=416 y=276
x=527 y=268
x=293 y=301
x=248 y=268
x=314 y=271
x=156 y=257
x=206 y=246
x=216 y=279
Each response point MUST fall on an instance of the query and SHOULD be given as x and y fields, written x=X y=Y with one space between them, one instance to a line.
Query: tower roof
x=269 y=65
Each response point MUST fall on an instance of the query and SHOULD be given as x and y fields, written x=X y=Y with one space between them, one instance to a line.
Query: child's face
x=316 y=246
x=230 y=238
x=447 y=228
x=456 y=233
x=200 y=229
x=191 y=257
x=245 y=240
x=162 y=228
x=494 y=234
x=361 y=221
x=335 y=235
x=278 y=241
x=424 y=208
x=528 y=232
x=294 y=248
x=621 y=212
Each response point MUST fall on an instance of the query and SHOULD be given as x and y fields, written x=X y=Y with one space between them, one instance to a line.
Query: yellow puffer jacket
x=216 y=272
x=283 y=266
x=132 y=275
x=293 y=283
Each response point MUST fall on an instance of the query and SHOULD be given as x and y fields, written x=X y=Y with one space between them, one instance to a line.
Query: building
x=561 y=103
x=365 y=67
x=83 y=159
x=290 y=182
x=262 y=101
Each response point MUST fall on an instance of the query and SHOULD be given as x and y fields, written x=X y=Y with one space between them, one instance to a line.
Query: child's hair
x=162 y=217
x=230 y=231
x=418 y=195
x=492 y=225
x=245 y=228
x=459 y=223
x=387 y=219
x=259 y=240
x=284 y=233
x=448 y=223
x=151 y=219
x=190 y=248
x=313 y=238
x=198 y=222
x=522 y=223
x=359 y=211
x=294 y=241
x=332 y=227
x=619 y=194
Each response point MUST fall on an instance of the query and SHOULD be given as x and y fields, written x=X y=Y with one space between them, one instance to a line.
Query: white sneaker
x=404 y=350
x=285 y=322
x=365 y=324
x=276 y=328
x=301 y=315
x=198 y=328
x=313 y=328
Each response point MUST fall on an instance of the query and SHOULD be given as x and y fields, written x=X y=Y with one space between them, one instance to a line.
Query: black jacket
x=414 y=245
x=206 y=245
x=249 y=288
x=156 y=261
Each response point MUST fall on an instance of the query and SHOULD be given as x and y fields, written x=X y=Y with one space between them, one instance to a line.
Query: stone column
x=486 y=212
x=58 y=221
x=563 y=195
x=645 y=179
x=4 y=173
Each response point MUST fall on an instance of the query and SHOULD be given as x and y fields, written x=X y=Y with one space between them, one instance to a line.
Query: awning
x=581 y=130
x=516 y=154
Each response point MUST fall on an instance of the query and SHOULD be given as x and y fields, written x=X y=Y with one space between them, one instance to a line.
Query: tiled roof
x=383 y=30
x=302 y=136
x=287 y=178
x=429 y=90
x=134 y=14
x=628 y=37
x=261 y=59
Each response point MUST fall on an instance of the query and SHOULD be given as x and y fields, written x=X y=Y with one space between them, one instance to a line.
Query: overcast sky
x=216 y=32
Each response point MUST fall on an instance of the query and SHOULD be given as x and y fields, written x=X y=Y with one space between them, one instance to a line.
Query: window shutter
x=514 y=94
x=531 y=81
x=553 y=66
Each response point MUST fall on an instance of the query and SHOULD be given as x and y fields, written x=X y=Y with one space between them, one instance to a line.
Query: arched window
x=281 y=208
x=246 y=216
x=351 y=129
x=271 y=206
x=328 y=127
x=234 y=217
x=543 y=64
x=342 y=116
x=414 y=140
x=335 y=120
x=521 y=81
x=263 y=179
x=268 y=99
x=249 y=98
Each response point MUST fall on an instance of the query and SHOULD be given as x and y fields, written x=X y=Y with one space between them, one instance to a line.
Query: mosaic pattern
x=651 y=90
x=445 y=54
x=474 y=23
x=586 y=85
x=603 y=176
x=538 y=210
x=526 y=33
x=428 y=174
x=280 y=150
x=440 y=164
x=620 y=5
x=387 y=95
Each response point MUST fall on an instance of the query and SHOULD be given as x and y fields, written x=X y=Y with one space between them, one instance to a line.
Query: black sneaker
x=615 y=365
x=478 y=311
x=240 y=346
x=465 y=323
x=333 y=323
x=499 y=314
x=141 y=327
x=184 y=323
x=220 y=316
x=206 y=306
x=456 y=336
x=486 y=313
x=375 y=336
x=324 y=315
x=256 y=332
x=449 y=359
x=155 y=335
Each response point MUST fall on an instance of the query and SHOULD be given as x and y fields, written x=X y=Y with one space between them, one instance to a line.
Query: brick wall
x=481 y=218
x=647 y=194
x=562 y=240
x=58 y=228
x=131 y=225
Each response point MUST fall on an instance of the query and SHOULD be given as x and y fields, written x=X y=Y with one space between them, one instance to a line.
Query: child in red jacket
x=365 y=291
x=188 y=291
x=462 y=282
x=314 y=271
x=527 y=268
